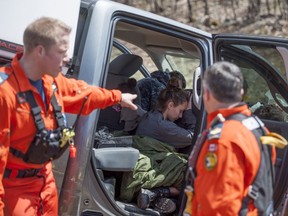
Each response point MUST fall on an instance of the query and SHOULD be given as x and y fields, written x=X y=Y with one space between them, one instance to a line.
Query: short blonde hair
x=45 y=31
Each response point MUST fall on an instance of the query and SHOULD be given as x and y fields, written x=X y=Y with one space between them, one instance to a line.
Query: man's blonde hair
x=44 y=31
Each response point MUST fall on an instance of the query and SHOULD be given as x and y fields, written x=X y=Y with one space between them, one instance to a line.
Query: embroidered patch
x=212 y=147
x=3 y=77
x=215 y=133
x=210 y=161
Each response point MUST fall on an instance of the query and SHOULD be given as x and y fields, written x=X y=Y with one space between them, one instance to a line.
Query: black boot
x=164 y=205
x=146 y=196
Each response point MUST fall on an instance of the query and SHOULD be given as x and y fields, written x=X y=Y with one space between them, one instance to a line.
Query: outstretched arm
x=127 y=101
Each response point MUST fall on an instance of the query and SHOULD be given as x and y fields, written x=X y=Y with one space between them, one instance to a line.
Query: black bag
x=46 y=146
x=261 y=190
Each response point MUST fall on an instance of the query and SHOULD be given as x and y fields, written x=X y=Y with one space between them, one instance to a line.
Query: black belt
x=13 y=173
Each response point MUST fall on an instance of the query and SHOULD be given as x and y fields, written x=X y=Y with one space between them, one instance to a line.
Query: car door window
x=275 y=55
x=265 y=80
x=131 y=49
x=186 y=65
x=258 y=96
x=160 y=51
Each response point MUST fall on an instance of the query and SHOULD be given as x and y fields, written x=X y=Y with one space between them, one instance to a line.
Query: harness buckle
x=252 y=192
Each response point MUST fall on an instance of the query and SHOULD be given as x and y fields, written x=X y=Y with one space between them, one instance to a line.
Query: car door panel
x=263 y=64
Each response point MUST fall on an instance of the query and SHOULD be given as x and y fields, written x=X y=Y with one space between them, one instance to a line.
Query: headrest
x=125 y=65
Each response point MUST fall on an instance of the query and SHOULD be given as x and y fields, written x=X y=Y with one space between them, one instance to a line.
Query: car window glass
x=273 y=55
x=264 y=78
x=259 y=98
x=130 y=48
x=186 y=65
x=159 y=50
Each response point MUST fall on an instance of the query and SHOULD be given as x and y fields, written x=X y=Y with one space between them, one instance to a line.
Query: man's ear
x=40 y=50
x=206 y=93
x=242 y=92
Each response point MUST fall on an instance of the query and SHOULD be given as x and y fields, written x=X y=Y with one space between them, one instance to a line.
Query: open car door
x=264 y=64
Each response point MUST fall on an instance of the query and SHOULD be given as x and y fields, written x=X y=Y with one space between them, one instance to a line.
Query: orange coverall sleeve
x=219 y=191
x=74 y=91
x=4 y=142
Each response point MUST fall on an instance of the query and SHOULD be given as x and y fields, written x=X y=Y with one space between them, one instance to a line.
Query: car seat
x=119 y=71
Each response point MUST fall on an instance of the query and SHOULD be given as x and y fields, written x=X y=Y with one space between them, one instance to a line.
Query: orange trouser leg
x=30 y=196
x=50 y=197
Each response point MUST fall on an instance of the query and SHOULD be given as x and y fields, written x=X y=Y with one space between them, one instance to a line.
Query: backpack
x=261 y=189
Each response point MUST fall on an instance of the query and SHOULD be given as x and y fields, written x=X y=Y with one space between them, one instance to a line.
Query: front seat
x=119 y=71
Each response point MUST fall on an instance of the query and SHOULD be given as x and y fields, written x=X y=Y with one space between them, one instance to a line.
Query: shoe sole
x=164 y=205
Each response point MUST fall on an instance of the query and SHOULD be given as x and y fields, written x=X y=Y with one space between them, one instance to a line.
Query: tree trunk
x=206 y=8
x=233 y=9
x=190 y=13
x=268 y=7
x=254 y=9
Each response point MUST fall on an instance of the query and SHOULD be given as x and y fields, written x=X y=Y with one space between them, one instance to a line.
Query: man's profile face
x=56 y=56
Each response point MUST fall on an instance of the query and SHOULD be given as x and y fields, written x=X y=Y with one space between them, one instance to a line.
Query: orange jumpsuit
x=21 y=196
x=227 y=164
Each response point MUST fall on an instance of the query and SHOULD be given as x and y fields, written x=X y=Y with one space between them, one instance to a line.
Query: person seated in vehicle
x=160 y=122
x=150 y=88
x=158 y=173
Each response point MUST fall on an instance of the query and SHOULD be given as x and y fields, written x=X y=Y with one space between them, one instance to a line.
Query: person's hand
x=127 y=101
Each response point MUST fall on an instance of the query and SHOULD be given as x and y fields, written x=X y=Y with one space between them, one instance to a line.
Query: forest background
x=254 y=17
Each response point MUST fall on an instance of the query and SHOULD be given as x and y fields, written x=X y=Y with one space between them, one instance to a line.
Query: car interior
x=139 y=52
x=167 y=52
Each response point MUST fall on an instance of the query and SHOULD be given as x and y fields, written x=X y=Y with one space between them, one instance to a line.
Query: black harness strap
x=255 y=190
x=36 y=112
x=57 y=111
x=22 y=173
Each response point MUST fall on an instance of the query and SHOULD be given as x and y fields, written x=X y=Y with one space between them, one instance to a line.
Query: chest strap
x=36 y=112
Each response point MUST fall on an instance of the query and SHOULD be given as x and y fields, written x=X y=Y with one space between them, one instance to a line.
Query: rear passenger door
x=264 y=64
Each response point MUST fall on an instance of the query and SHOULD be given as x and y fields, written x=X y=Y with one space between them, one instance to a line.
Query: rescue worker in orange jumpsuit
x=229 y=158
x=28 y=188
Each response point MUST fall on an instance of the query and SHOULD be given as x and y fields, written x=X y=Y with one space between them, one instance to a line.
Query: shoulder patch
x=215 y=132
x=3 y=77
x=210 y=161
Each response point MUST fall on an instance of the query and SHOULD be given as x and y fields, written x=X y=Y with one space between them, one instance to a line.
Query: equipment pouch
x=46 y=146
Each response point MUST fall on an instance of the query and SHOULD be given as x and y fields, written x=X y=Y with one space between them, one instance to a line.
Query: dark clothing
x=154 y=125
x=188 y=120
x=38 y=84
x=158 y=166
x=150 y=88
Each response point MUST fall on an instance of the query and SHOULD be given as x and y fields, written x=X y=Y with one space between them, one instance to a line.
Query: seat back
x=120 y=69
